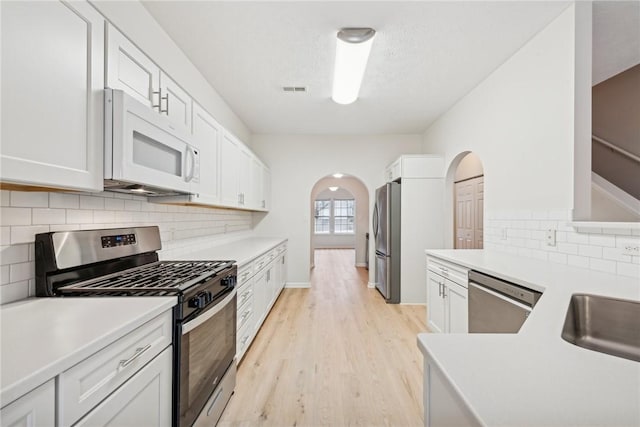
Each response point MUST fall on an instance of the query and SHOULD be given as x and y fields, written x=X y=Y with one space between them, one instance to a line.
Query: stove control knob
x=229 y=281
x=200 y=300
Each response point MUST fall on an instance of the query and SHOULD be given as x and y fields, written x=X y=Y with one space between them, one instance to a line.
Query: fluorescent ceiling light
x=352 y=54
x=338 y=175
x=333 y=188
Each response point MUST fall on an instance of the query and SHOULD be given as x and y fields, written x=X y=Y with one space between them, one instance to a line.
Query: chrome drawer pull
x=244 y=340
x=139 y=352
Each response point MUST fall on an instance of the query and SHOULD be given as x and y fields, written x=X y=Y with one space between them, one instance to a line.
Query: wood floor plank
x=332 y=355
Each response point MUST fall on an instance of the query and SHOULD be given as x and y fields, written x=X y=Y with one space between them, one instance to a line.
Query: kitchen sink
x=604 y=324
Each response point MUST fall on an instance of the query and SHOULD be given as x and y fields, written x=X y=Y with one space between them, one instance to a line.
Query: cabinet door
x=144 y=400
x=257 y=188
x=261 y=298
x=52 y=94
x=435 y=303
x=266 y=188
x=229 y=170
x=175 y=103
x=36 y=408
x=457 y=308
x=207 y=135
x=443 y=406
x=130 y=70
x=244 y=177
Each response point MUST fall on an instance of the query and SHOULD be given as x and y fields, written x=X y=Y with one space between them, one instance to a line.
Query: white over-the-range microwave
x=144 y=153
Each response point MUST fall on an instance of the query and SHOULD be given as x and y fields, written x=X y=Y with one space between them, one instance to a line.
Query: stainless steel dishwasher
x=497 y=306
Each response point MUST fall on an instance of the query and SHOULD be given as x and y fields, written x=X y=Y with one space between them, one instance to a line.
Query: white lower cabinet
x=145 y=399
x=259 y=285
x=443 y=406
x=447 y=297
x=36 y=408
x=126 y=383
x=89 y=382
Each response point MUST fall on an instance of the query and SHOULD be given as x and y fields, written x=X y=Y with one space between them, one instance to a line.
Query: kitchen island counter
x=534 y=377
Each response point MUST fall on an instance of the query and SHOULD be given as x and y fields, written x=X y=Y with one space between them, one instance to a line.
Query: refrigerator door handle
x=375 y=221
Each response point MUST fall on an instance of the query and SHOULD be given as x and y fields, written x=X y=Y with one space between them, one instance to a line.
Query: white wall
x=526 y=123
x=24 y=214
x=297 y=162
x=134 y=21
x=519 y=121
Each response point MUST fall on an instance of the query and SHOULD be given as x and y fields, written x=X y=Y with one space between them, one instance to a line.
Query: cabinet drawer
x=244 y=273
x=244 y=338
x=244 y=314
x=453 y=272
x=282 y=248
x=144 y=400
x=245 y=296
x=85 y=385
x=260 y=263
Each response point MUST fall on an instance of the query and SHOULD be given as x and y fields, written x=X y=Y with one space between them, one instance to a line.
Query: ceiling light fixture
x=338 y=175
x=352 y=54
x=333 y=188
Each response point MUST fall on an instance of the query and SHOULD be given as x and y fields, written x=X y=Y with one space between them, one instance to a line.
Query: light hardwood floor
x=332 y=355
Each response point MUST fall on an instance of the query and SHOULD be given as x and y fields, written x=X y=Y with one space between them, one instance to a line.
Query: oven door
x=207 y=349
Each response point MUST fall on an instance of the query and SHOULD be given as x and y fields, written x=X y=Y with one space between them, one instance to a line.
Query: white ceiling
x=616 y=38
x=426 y=56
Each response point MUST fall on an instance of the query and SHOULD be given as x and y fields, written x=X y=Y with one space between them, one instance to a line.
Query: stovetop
x=156 y=278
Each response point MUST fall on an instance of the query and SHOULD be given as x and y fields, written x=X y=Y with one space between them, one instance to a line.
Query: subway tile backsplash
x=24 y=214
x=524 y=233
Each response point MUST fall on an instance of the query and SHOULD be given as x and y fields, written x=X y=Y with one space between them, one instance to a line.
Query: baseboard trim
x=413 y=303
x=361 y=264
x=371 y=285
x=297 y=285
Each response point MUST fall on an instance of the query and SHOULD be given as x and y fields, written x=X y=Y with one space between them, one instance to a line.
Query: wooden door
x=469 y=217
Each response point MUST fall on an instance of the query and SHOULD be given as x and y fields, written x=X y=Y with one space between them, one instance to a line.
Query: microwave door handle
x=191 y=158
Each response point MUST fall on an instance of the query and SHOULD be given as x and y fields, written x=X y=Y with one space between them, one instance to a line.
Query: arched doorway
x=339 y=216
x=465 y=202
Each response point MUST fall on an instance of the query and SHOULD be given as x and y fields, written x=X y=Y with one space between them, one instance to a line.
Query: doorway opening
x=339 y=217
x=465 y=193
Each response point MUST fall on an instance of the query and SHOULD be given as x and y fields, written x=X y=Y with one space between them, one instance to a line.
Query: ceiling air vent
x=294 y=88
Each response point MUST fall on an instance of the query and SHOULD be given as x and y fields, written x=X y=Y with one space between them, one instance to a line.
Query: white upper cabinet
x=415 y=166
x=257 y=189
x=207 y=136
x=266 y=188
x=244 y=178
x=130 y=70
x=52 y=93
x=229 y=170
x=175 y=103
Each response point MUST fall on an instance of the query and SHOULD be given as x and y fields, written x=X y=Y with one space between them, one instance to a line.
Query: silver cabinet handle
x=160 y=98
x=139 y=352
x=245 y=315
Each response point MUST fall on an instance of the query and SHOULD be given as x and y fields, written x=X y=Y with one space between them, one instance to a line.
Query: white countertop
x=42 y=337
x=535 y=378
x=242 y=251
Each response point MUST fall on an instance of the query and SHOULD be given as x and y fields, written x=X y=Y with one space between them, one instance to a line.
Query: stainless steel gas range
x=124 y=262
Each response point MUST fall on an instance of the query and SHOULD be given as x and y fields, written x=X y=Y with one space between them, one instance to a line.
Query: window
x=322 y=216
x=343 y=216
x=334 y=216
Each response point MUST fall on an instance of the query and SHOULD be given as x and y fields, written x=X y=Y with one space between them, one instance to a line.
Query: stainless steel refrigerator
x=386 y=232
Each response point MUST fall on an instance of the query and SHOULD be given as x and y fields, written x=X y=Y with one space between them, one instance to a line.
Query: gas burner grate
x=158 y=278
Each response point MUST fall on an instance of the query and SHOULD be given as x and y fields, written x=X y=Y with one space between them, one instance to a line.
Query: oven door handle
x=192 y=324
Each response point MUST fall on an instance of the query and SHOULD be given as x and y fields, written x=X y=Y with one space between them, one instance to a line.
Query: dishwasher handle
x=516 y=292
